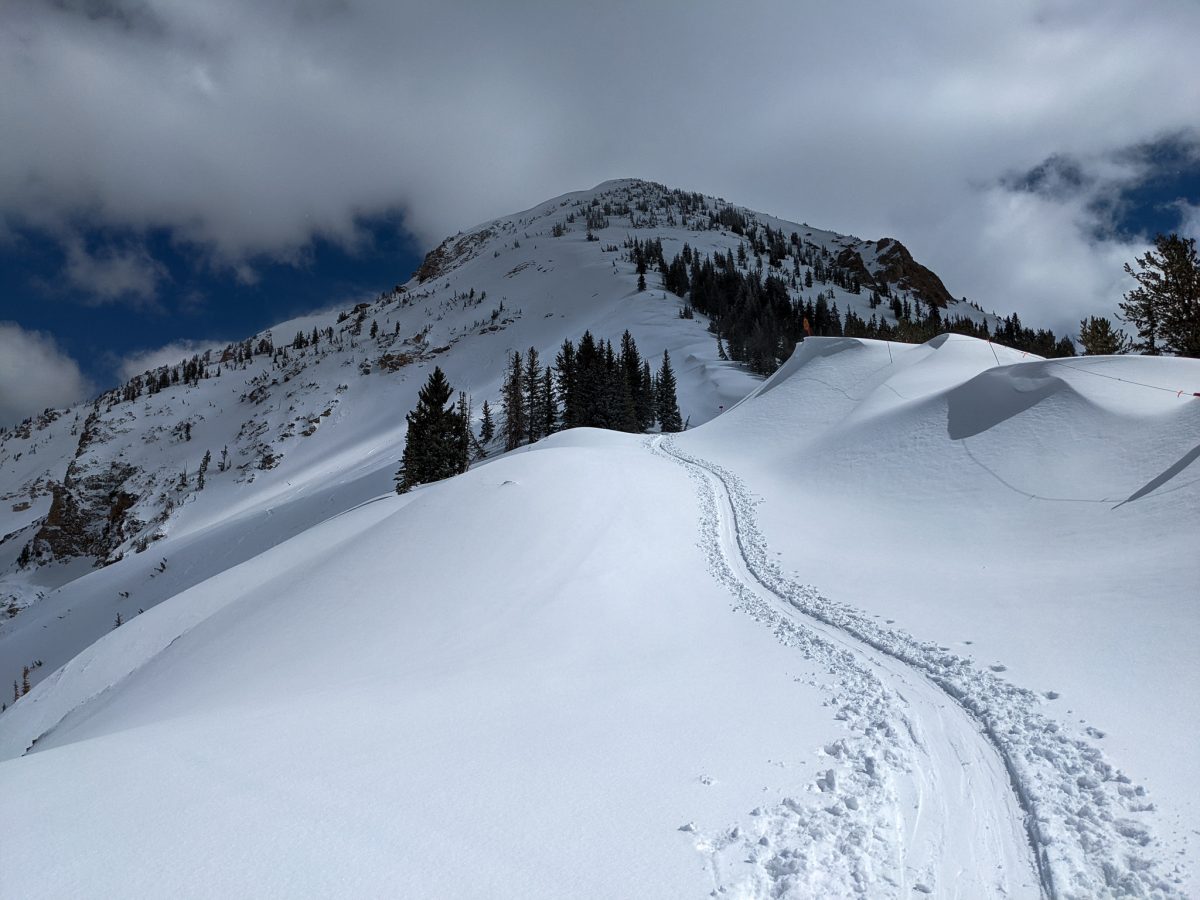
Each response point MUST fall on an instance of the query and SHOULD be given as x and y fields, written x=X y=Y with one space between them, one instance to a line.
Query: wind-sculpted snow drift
x=840 y=409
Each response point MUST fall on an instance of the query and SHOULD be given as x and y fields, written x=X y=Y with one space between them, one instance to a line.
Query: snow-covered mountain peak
x=888 y=617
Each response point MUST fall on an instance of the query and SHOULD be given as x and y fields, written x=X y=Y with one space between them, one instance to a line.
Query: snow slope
x=320 y=429
x=314 y=428
x=761 y=656
x=1032 y=524
x=508 y=686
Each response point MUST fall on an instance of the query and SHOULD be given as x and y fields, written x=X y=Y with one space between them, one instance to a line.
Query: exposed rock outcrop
x=897 y=266
x=450 y=252
x=88 y=516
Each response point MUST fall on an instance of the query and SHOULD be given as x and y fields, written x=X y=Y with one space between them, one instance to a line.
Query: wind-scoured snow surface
x=907 y=621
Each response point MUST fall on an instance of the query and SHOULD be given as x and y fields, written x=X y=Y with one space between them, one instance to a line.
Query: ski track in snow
x=950 y=782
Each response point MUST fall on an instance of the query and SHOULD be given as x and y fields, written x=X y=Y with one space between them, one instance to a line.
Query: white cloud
x=35 y=374
x=247 y=128
x=1032 y=254
x=1190 y=227
x=112 y=274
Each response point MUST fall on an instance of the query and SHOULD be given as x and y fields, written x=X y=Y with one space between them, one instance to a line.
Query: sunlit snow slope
x=1036 y=517
x=102 y=511
x=314 y=430
x=898 y=597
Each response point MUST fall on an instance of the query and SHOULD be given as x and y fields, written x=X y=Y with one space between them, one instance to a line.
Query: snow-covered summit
x=322 y=397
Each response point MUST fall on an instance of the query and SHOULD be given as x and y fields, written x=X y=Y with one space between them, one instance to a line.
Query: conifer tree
x=514 y=402
x=203 y=470
x=1165 y=306
x=1098 y=337
x=487 y=426
x=434 y=446
x=564 y=371
x=589 y=382
x=645 y=402
x=534 y=417
x=631 y=373
x=549 y=406
x=668 y=404
x=615 y=407
x=465 y=436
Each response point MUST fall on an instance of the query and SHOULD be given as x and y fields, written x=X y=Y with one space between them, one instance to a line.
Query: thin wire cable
x=1156 y=387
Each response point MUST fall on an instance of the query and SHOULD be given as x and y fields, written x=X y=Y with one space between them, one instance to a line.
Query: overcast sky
x=165 y=165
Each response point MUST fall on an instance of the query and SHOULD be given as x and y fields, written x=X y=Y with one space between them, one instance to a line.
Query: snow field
x=852 y=431
x=920 y=800
x=524 y=682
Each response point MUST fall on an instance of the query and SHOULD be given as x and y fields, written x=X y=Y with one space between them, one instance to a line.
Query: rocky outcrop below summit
x=895 y=265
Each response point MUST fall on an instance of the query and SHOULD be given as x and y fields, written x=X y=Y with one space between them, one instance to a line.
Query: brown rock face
x=88 y=517
x=896 y=266
x=850 y=260
x=451 y=251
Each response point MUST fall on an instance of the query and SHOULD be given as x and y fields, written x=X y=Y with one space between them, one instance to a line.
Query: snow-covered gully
x=949 y=781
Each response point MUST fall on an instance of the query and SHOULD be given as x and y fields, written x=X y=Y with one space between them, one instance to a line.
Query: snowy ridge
x=588 y=646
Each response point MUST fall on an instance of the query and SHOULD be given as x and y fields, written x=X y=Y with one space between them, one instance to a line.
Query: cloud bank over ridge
x=248 y=129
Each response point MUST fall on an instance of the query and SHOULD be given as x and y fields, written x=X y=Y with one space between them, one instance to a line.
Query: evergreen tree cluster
x=1043 y=342
x=759 y=321
x=238 y=355
x=592 y=385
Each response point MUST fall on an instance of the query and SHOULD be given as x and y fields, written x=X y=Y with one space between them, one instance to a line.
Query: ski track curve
x=950 y=781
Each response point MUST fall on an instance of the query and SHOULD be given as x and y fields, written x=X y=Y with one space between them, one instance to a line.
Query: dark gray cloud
x=126 y=16
x=1058 y=177
x=247 y=128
